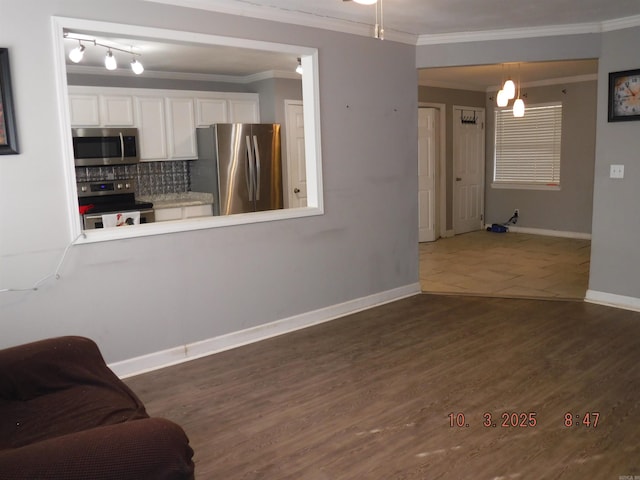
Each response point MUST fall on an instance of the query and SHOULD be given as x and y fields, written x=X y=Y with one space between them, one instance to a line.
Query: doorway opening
x=552 y=223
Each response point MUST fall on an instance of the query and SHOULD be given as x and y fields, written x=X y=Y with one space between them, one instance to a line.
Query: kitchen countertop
x=173 y=200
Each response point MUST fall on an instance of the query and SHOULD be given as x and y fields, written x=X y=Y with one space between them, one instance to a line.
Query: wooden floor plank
x=368 y=396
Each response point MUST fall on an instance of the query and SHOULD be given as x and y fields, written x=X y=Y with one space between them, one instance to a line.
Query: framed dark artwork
x=624 y=95
x=8 y=136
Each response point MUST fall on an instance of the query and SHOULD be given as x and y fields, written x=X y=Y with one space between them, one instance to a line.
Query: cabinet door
x=210 y=111
x=181 y=128
x=116 y=110
x=151 y=128
x=84 y=110
x=244 y=111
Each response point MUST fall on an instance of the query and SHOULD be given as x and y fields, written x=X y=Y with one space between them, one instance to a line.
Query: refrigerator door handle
x=257 y=176
x=249 y=173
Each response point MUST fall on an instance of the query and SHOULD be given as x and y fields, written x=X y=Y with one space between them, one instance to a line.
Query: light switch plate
x=616 y=171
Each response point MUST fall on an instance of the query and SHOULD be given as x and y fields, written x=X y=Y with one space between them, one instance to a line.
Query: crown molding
x=591 y=77
x=202 y=77
x=621 y=23
x=509 y=34
x=540 y=83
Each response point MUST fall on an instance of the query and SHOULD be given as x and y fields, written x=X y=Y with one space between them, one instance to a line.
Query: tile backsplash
x=152 y=178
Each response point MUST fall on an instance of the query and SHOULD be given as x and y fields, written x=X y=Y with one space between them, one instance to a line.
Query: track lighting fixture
x=77 y=54
x=299 y=69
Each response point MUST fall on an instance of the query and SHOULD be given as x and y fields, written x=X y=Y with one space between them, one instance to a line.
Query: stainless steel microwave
x=105 y=146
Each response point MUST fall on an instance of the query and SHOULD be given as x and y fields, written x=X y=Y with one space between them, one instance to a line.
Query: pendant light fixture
x=299 y=69
x=502 y=99
x=509 y=89
x=518 y=106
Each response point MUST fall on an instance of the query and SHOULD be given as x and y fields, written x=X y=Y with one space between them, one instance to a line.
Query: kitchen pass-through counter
x=178 y=206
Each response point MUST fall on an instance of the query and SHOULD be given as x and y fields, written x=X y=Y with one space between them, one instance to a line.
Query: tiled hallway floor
x=506 y=265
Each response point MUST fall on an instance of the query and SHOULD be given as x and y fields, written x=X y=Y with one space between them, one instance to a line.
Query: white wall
x=143 y=295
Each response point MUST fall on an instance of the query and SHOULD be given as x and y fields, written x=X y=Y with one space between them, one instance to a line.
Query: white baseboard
x=549 y=233
x=191 y=351
x=613 y=300
x=448 y=234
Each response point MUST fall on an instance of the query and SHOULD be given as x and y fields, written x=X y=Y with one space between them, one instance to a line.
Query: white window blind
x=528 y=148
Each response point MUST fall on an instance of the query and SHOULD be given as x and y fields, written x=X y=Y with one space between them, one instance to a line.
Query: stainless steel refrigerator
x=241 y=165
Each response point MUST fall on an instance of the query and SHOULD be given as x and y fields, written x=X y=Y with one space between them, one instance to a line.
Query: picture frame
x=8 y=135
x=624 y=95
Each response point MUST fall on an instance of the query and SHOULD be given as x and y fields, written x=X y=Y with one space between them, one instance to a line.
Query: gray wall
x=615 y=257
x=450 y=97
x=143 y=295
x=569 y=209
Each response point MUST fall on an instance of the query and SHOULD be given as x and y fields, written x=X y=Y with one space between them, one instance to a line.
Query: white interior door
x=468 y=169
x=428 y=153
x=296 y=166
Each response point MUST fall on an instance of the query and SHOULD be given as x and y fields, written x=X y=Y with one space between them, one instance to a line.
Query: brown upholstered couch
x=64 y=415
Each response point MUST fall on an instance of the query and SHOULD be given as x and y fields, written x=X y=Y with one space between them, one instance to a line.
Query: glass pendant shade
x=110 y=61
x=518 y=108
x=510 y=89
x=502 y=99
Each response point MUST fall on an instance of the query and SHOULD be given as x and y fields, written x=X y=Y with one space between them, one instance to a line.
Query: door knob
x=458 y=179
x=296 y=190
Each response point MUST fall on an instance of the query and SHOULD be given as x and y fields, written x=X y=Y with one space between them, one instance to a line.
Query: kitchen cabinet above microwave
x=166 y=119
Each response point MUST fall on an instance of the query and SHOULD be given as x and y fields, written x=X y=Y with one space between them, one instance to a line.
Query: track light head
x=137 y=67
x=110 y=61
x=77 y=53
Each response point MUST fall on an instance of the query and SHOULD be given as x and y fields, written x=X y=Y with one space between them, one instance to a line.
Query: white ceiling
x=412 y=21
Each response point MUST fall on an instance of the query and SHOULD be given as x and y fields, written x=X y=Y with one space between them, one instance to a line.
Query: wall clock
x=624 y=95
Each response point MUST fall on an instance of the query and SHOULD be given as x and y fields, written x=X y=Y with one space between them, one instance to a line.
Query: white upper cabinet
x=181 y=128
x=244 y=111
x=166 y=119
x=84 y=110
x=116 y=110
x=210 y=111
x=151 y=123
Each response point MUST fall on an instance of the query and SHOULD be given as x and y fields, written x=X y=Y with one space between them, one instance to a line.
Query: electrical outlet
x=616 y=171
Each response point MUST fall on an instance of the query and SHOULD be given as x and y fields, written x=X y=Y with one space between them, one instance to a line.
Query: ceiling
x=420 y=20
x=430 y=17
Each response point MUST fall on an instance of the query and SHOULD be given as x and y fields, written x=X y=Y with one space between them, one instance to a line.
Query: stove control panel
x=109 y=187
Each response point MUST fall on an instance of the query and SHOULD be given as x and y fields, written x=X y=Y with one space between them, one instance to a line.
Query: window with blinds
x=527 y=152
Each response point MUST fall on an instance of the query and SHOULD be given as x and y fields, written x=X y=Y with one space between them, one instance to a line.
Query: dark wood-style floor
x=369 y=396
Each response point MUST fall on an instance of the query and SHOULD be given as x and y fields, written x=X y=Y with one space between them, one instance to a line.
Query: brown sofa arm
x=34 y=369
x=147 y=449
